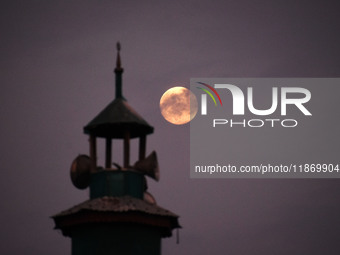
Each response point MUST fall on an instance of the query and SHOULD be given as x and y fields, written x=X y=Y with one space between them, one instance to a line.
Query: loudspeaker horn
x=148 y=166
x=81 y=171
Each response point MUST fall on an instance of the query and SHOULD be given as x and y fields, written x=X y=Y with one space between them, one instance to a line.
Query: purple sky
x=56 y=75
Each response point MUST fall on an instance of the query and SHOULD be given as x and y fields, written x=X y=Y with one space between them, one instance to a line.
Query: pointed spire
x=118 y=71
x=118 y=64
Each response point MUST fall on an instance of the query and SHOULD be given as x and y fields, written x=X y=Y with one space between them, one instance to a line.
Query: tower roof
x=118 y=117
x=117 y=210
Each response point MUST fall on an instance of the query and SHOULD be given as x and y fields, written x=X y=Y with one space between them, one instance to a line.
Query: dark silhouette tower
x=120 y=217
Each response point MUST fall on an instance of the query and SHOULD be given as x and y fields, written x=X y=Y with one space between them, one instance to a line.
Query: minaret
x=120 y=217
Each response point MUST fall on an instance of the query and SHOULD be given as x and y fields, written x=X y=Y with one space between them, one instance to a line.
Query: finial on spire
x=118 y=64
x=118 y=70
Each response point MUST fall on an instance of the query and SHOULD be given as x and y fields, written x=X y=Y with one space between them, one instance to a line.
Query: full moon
x=178 y=105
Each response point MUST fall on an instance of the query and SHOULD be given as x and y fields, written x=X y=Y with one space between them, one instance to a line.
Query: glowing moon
x=178 y=105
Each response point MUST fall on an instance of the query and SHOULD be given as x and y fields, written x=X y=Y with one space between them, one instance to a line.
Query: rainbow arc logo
x=209 y=93
x=204 y=97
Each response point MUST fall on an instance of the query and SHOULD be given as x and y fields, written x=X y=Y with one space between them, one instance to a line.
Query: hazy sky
x=56 y=75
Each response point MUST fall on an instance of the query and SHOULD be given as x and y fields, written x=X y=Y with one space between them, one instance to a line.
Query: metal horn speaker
x=148 y=166
x=81 y=171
